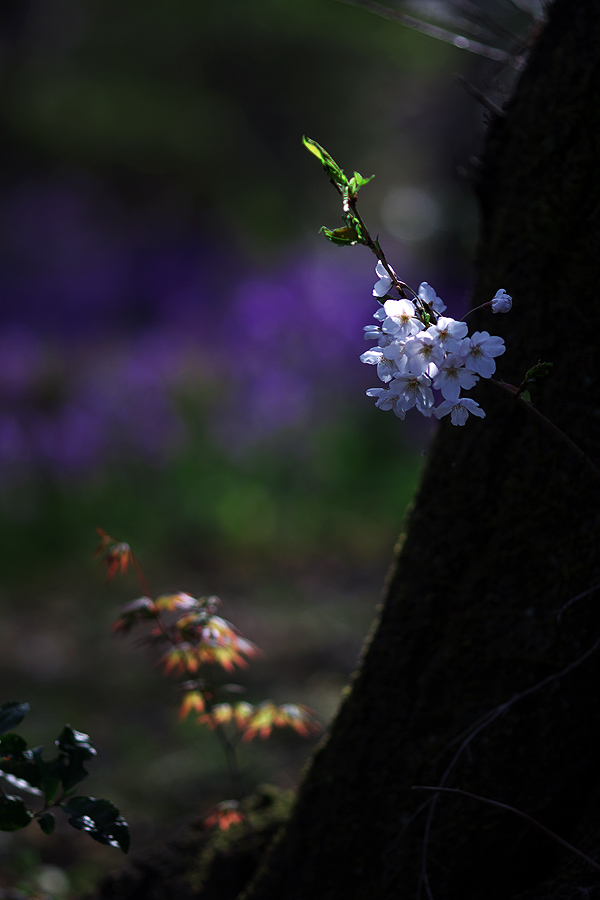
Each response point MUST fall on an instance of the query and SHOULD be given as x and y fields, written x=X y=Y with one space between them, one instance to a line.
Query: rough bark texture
x=503 y=533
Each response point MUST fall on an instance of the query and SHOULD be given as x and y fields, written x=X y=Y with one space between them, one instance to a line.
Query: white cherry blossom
x=385 y=282
x=452 y=376
x=413 y=390
x=459 y=410
x=424 y=354
x=448 y=332
x=427 y=293
x=387 y=399
x=372 y=332
x=390 y=360
x=479 y=351
x=501 y=302
x=401 y=320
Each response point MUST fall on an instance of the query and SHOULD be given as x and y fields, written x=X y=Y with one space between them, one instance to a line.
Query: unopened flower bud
x=502 y=302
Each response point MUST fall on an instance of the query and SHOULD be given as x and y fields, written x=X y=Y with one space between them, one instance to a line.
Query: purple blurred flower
x=107 y=314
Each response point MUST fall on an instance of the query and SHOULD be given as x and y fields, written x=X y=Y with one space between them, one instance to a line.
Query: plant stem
x=232 y=762
x=140 y=576
x=349 y=206
x=227 y=744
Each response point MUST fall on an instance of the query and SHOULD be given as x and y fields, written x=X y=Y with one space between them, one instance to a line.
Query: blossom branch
x=515 y=393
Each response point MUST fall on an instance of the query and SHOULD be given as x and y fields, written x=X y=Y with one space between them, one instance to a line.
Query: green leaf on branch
x=47 y=823
x=329 y=164
x=540 y=370
x=20 y=783
x=356 y=182
x=74 y=749
x=48 y=770
x=346 y=236
x=11 y=714
x=17 y=763
x=12 y=744
x=100 y=818
x=13 y=813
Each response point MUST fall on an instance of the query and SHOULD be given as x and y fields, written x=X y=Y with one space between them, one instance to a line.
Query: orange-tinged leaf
x=221 y=644
x=224 y=815
x=298 y=717
x=171 y=602
x=220 y=714
x=181 y=659
x=116 y=555
x=262 y=721
x=267 y=716
x=134 y=612
x=242 y=713
x=193 y=700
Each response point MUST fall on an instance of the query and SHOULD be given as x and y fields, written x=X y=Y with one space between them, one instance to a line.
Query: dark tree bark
x=504 y=532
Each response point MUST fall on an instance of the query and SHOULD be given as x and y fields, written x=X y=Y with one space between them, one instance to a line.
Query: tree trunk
x=504 y=532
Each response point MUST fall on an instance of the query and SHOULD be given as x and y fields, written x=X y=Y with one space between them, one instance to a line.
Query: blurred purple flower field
x=106 y=317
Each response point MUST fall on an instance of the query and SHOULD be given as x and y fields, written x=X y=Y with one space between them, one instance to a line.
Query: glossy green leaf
x=47 y=823
x=356 y=182
x=12 y=743
x=13 y=813
x=329 y=164
x=11 y=714
x=100 y=818
x=49 y=773
x=344 y=237
x=17 y=762
x=74 y=749
x=540 y=370
x=20 y=783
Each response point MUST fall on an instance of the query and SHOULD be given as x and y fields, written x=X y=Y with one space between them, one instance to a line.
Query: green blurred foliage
x=211 y=99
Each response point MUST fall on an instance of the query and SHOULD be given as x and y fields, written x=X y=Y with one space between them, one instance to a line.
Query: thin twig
x=350 y=208
x=467 y=736
x=548 y=423
x=491 y=24
x=140 y=576
x=479 y=96
x=575 y=599
x=434 y=31
x=517 y=812
x=232 y=761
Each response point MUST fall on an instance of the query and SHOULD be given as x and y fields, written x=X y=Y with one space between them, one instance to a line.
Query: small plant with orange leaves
x=194 y=640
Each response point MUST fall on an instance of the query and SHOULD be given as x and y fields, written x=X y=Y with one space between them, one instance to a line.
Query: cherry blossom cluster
x=420 y=350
